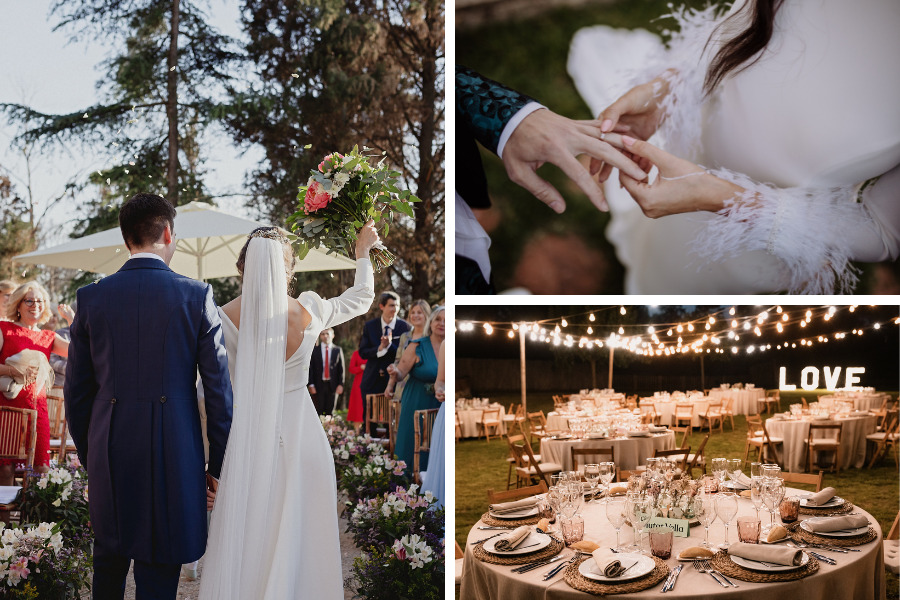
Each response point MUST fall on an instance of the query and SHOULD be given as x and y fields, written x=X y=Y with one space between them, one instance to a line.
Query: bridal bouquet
x=341 y=195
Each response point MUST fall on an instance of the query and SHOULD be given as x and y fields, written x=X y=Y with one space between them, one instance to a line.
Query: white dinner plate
x=834 y=502
x=541 y=539
x=644 y=565
x=755 y=566
x=518 y=514
x=858 y=531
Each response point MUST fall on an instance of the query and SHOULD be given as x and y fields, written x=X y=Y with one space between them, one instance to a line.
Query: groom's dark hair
x=144 y=218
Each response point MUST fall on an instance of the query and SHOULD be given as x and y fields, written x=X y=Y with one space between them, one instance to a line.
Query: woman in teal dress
x=420 y=362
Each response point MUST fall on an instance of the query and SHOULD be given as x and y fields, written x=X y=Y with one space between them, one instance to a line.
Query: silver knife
x=673 y=577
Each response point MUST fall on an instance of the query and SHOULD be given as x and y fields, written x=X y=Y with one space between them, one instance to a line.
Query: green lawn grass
x=481 y=466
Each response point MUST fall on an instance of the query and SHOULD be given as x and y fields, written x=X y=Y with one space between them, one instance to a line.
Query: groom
x=138 y=340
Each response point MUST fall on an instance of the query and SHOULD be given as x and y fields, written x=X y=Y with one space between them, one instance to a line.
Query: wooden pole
x=593 y=373
x=702 y=374
x=612 y=352
x=522 y=364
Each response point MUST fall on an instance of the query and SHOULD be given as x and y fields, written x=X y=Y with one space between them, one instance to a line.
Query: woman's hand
x=681 y=186
x=638 y=113
x=66 y=312
x=24 y=375
x=366 y=239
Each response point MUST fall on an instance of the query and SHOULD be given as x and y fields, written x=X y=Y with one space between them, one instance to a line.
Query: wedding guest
x=418 y=315
x=27 y=309
x=419 y=361
x=525 y=135
x=379 y=342
x=6 y=290
x=326 y=373
x=356 y=412
x=57 y=362
x=433 y=481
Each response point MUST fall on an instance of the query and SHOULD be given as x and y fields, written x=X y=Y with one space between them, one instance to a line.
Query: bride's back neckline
x=299 y=322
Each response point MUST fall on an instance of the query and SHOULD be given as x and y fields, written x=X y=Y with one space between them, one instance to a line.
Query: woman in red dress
x=28 y=307
x=355 y=411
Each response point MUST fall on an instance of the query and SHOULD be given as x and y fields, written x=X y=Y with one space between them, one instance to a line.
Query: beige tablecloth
x=795 y=434
x=861 y=400
x=470 y=421
x=746 y=401
x=857 y=576
x=629 y=452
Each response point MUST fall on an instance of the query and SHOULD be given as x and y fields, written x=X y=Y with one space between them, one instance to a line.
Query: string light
x=565 y=323
x=622 y=310
x=511 y=333
x=592 y=318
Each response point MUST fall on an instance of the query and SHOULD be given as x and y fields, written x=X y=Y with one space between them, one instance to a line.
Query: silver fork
x=720 y=574
x=698 y=566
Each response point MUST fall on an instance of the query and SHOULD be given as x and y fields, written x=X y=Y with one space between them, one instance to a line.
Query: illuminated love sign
x=809 y=378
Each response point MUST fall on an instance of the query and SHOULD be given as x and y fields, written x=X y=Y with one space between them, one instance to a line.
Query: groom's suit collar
x=144 y=263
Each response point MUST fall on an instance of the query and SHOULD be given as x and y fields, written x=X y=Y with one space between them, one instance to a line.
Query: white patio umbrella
x=208 y=243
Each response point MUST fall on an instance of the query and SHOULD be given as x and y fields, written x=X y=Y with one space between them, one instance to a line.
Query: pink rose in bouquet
x=316 y=198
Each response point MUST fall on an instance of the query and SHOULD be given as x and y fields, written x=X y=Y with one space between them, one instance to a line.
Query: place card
x=681 y=527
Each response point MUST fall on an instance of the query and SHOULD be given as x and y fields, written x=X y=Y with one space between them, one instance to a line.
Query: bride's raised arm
x=356 y=300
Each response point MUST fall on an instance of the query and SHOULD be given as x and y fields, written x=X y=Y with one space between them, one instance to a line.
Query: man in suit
x=379 y=344
x=525 y=135
x=326 y=373
x=138 y=340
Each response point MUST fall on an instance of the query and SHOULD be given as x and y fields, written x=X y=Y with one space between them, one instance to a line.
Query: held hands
x=544 y=136
x=212 y=487
x=366 y=239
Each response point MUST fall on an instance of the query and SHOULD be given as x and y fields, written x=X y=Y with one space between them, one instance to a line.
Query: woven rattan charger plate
x=827 y=512
x=722 y=562
x=801 y=535
x=580 y=582
x=553 y=549
x=487 y=519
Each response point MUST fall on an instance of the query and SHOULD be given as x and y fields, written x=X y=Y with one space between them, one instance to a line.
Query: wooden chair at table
x=684 y=411
x=806 y=478
x=758 y=437
x=684 y=431
x=712 y=415
x=395 y=409
x=885 y=440
x=537 y=424
x=622 y=475
x=773 y=400
x=490 y=420
x=827 y=444
x=460 y=559
x=517 y=494
x=458 y=425
x=602 y=454
x=60 y=444
x=675 y=452
x=727 y=412
x=512 y=460
x=509 y=418
x=423 y=423
x=880 y=415
x=891 y=547
x=18 y=436
x=378 y=413
x=559 y=402
x=649 y=416
x=697 y=459
x=528 y=467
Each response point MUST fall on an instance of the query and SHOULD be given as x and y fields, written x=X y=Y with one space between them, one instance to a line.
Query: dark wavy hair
x=276 y=234
x=738 y=53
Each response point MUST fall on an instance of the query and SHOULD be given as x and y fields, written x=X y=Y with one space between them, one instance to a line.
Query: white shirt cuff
x=514 y=122
x=381 y=353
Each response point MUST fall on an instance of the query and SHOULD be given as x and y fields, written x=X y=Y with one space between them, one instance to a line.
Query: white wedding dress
x=804 y=128
x=274 y=530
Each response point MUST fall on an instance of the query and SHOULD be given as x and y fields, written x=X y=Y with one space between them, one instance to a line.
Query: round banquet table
x=629 y=452
x=470 y=420
x=746 y=400
x=861 y=400
x=796 y=432
x=857 y=575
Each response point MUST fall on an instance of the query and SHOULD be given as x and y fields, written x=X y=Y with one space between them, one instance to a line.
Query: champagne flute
x=615 y=512
x=607 y=474
x=576 y=495
x=773 y=493
x=726 y=509
x=706 y=512
x=592 y=474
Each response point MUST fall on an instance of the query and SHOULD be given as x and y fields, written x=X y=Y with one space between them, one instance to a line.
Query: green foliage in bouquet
x=60 y=496
x=341 y=195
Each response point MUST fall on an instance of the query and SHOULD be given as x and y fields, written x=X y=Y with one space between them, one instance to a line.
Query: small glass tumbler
x=572 y=529
x=661 y=542
x=789 y=509
x=748 y=530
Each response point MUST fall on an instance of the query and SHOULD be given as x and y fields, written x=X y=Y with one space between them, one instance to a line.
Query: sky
x=41 y=70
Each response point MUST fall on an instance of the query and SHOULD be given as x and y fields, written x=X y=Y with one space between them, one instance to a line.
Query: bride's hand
x=638 y=113
x=366 y=239
x=681 y=186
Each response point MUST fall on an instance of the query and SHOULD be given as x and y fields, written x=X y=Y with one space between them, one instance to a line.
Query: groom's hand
x=212 y=486
x=544 y=136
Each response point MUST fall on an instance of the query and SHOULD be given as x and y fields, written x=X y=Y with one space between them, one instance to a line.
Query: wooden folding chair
x=684 y=431
x=515 y=438
x=684 y=411
x=490 y=419
x=622 y=475
x=758 y=437
x=713 y=413
x=458 y=426
x=517 y=494
x=885 y=440
x=727 y=411
x=806 y=478
x=423 y=422
x=18 y=436
x=697 y=459
x=60 y=445
x=649 y=415
x=682 y=452
x=891 y=547
x=601 y=454
x=537 y=423
x=378 y=413
x=828 y=444
x=528 y=467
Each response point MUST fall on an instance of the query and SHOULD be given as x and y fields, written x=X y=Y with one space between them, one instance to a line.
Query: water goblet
x=755 y=469
x=720 y=469
x=726 y=509
x=615 y=512
x=592 y=474
x=773 y=493
x=607 y=474
x=705 y=509
x=756 y=493
x=734 y=471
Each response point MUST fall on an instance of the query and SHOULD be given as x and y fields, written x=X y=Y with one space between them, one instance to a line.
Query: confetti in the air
x=107 y=181
x=85 y=116
x=295 y=75
x=172 y=69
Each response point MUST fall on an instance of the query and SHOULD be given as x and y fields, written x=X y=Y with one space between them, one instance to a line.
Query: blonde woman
x=419 y=313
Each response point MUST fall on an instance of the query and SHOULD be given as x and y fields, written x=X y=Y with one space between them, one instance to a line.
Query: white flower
x=56 y=541
x=341 y=179
x=429 y=497
x=6 y=552
x=43 y=483
x=9 y=537
x=345 y=455
x=44 y=530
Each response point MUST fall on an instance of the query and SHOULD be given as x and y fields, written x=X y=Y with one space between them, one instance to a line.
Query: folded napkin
x=509 y=541
x=608 y=562
x=743 y=480
x=820 y=497
x=837 y=523
x=507 y=507
x=780 y=555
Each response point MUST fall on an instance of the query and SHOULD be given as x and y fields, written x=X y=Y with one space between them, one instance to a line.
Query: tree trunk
x=423 y=278
x=172 y=108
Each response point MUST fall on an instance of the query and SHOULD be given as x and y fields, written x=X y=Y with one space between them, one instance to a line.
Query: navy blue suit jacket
x=375 y=377
x=138 y=339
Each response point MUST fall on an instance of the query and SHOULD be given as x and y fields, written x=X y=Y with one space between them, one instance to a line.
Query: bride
x=790 y=108
x=274 y=530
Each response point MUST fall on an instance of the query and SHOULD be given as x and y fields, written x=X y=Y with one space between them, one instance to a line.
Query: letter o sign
x=806 y=374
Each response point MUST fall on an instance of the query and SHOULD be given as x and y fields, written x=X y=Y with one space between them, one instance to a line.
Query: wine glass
x=615 y=512
x=756 y=493
x=592 y=474
x=726 y=509
x=607 y=474
x=705 y=509
x=576 y=495
x=773 y=493
x=720 y=469
x=734 y=471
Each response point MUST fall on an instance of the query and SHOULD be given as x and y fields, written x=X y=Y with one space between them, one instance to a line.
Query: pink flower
x=20 y=568
x=331 y=160
x=316 y=198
